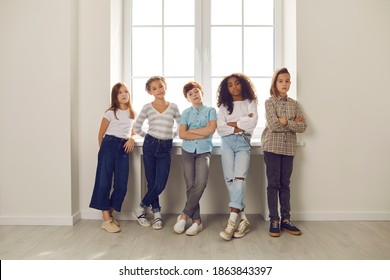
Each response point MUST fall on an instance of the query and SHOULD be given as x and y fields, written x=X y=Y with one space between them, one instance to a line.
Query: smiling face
x=283 y=83
x=157 y=89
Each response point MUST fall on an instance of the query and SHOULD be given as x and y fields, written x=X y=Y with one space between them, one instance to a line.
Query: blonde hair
x=152 y=79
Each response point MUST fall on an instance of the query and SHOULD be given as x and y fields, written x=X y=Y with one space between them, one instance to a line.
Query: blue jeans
x=157 y=163
x=196 y=173
x=113 y=161
x=278 y=169
x=235 y=157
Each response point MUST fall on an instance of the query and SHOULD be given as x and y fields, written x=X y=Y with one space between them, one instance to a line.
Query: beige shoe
x=228 y=232
x=110 y=226
x=243 y=228
x=115 y=221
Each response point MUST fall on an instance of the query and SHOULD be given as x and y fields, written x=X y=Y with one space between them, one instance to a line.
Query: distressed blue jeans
x=235 y=157
x=113 y=163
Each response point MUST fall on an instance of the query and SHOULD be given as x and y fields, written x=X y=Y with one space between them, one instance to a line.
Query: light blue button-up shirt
x=197 y=118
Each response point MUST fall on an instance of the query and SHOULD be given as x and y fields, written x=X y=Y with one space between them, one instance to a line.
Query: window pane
x=262 y=87
x=179 y=12
x=147 y=12
x=226 y=50
x=258 y=51
x=226 y=12
x=175 y=92
x=179 y=51
x=139 y=95
x=259 y=12
x=147 y=51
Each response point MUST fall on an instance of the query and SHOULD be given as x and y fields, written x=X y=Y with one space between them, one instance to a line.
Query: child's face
x=195 y=96
x=234 y=88
x=283 y=84
x=123 y=95
x=157 y=89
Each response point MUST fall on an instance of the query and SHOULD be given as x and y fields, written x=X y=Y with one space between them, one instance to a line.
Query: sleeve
x=177 y=119
x=298 y=127
x=212 y=114
x=184 y=117
x=222 y=127
x=108 y=115
x=140 y=121
x=272 y=119
x=248 y=123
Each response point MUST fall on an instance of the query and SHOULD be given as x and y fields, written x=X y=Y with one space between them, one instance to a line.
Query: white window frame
x=202 y=61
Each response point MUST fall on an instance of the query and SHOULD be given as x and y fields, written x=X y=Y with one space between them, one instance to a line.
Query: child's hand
x=299 y=119
x=129 y=145
x=283 y=121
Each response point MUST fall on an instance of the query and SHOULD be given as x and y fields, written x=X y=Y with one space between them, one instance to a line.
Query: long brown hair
x=115 y=102
x=273 y=91
x=226 y=99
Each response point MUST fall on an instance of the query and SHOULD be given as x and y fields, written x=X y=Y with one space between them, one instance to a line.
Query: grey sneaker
x=243 y=228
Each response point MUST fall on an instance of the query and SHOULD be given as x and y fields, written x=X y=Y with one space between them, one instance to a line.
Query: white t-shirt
x=120 y=127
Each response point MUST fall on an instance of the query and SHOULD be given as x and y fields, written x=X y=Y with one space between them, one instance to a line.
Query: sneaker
x=180 y=225
x=194 y=229
x=158 y=223
x=274 y=229
x=243 y=228
x=114 y=221
x=286 y=225
x=110 y=226
x=228 y=232
x=141 y=218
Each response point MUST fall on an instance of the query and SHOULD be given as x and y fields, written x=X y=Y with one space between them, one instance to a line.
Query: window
x=201 y=40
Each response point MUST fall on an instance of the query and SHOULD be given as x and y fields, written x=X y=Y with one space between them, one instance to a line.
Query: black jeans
x=278 y=170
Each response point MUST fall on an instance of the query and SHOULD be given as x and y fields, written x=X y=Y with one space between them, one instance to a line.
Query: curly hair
x=225 y=98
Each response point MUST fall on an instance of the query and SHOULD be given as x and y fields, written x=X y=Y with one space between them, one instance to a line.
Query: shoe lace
x=275 y=224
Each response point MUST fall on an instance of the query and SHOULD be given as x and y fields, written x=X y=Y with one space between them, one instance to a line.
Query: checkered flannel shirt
x=277 y=138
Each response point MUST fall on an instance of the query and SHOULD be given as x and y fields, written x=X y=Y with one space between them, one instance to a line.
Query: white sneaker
x=228 y=232
x=194 y=229
x=180 y=225
x=243 y=228
x=139 y=214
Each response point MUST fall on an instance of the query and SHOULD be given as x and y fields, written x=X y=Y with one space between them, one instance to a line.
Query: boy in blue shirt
x=197 y=126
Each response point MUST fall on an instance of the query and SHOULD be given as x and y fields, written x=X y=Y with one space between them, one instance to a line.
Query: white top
x=120 y=127
x=240 y=114
x=160 y=124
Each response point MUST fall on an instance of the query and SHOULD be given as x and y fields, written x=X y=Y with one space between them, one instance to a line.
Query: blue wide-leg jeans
x=112 y=171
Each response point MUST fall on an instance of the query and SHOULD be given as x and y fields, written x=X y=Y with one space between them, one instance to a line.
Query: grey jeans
x=196 y=172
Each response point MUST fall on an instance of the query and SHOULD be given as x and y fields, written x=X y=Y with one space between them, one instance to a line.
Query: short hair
x=190 y=85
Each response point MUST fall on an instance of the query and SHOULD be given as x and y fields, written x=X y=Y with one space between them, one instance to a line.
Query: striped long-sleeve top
x=160 y=124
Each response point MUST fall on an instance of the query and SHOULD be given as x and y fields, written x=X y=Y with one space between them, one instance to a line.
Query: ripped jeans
x=235 y=157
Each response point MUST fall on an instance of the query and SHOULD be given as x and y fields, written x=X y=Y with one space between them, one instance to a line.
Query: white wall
x=55 y=83
x=36 y=83
x=343 y=69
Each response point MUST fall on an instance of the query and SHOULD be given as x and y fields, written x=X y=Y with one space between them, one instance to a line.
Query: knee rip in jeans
x=236 y=179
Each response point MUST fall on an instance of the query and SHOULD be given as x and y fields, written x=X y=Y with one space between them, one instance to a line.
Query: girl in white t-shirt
x=116 y=142
x=237 y=118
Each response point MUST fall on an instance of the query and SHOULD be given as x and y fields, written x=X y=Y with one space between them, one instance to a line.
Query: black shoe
x=286 y=225
x=274 y=229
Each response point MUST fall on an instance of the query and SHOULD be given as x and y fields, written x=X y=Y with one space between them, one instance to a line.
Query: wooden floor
x=352 y=240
